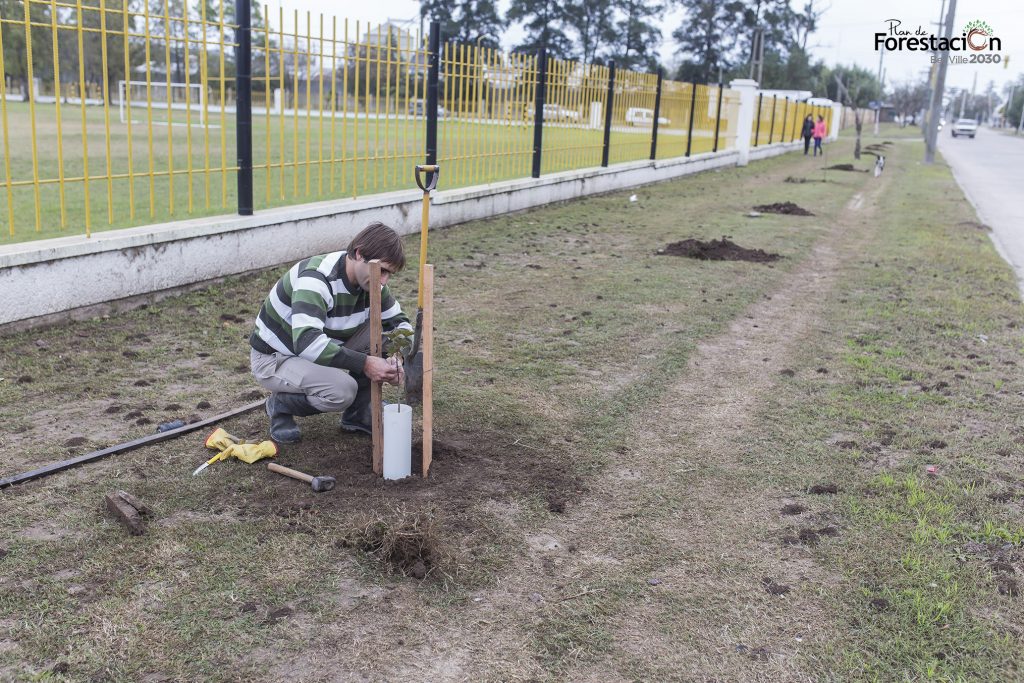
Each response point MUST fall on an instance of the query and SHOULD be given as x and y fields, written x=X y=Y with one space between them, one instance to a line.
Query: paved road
x=990 y=169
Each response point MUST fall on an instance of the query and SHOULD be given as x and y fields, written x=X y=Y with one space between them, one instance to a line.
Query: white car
x=555 y=112
x=417 y=107
x=967 y=127
x=638 y=116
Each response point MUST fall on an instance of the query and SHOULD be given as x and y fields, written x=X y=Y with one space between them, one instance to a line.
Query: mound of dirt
x=801 y=181
x=785 y=208
x=717 y=250
x=845 y=167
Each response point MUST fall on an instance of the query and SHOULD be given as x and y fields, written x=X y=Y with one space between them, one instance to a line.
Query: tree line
x=714 y=40
x=169 y=26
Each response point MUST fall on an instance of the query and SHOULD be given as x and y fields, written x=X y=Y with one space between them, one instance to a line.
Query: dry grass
x=624 y=487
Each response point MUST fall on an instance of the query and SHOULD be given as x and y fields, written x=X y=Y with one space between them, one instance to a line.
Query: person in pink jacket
x=819 y=135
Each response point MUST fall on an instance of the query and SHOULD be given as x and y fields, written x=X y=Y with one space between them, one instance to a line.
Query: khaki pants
x=329 y=390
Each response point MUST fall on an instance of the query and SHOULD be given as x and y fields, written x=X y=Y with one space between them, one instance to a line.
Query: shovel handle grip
x=289 y=472
x=432 y=171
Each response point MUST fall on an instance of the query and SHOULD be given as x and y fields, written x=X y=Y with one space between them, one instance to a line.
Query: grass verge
x=557 y=329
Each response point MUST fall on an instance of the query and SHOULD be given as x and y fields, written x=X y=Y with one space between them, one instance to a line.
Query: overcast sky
x=845 y=34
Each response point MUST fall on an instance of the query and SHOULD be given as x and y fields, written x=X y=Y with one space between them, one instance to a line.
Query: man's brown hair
x=379 y=241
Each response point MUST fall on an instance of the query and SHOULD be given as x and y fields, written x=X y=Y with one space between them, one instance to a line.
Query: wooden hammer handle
x=289 y=472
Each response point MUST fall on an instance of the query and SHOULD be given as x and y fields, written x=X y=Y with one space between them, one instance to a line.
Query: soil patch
x=845 y=167
x=785 y=208
x=1008 y=586
x=801 y=181
x=879 y=604
x=419 y=528
x=823 y=489
x=974 y=225
x=406 y=541
x=717 y=250
x=773 y=588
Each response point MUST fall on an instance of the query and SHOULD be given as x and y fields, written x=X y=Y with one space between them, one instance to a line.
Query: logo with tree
x=980 y=31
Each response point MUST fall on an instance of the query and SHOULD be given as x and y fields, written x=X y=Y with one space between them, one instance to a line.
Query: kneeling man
x=312 y=337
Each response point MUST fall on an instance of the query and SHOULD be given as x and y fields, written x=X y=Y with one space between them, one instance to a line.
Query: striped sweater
x=314 y=308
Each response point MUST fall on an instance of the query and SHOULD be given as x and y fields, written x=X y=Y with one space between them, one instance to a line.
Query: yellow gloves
x=249 y=452
x=227 y=447
x=220 y=440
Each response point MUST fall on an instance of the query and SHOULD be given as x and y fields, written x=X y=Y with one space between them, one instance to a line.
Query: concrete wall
x=53 y=280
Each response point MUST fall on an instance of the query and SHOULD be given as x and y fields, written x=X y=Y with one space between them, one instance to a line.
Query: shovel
x=414 y=364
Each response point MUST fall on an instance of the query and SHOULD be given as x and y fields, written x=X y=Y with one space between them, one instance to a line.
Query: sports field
x=298 y=158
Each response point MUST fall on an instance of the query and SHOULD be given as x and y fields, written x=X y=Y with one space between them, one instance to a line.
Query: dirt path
x=703 y=508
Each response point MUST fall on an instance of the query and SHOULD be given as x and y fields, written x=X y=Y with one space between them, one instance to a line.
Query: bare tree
x=850 y=100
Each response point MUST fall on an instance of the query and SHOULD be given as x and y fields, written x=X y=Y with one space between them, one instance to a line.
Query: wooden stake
x=428 y=367
x=376 y=332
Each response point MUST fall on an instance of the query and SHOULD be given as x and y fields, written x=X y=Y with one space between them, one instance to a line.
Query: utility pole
x=1006 y=107
x=757 y=56
x=932 y=74
x=757 y=47
x=963 y=100
x=940 y=85
x=881 y=94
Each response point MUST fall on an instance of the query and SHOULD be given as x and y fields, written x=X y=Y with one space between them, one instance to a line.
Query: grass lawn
x=297 y=159
x=647 y=467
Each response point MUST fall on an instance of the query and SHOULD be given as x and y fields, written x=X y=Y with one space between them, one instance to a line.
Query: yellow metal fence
x=337 y=108
x=485 y=124
x=77 y=151
x=122 y=112
x=575 y=99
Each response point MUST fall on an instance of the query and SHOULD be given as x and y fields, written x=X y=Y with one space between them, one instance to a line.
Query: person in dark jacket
x=807 y=132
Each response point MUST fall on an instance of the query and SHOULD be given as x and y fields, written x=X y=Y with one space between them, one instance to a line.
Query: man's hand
x=381 y=370
x=397 y=361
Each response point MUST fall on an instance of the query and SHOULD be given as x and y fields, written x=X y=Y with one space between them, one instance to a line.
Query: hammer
x=319 y=484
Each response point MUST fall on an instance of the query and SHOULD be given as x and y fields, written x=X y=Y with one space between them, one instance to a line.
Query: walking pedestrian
x=819 y=134
x=808 y=131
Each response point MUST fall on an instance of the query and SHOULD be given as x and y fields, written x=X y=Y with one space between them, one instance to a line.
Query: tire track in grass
x=700 y=583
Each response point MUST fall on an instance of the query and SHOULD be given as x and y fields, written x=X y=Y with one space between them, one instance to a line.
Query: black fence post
x=433 y=73
x=757 y=130
x=538 y=112
x=689 y=132
x=608 y=114
x=243 y=104
x=657 y=113
x=718 y=116
x=771 y=128
x=785 y=119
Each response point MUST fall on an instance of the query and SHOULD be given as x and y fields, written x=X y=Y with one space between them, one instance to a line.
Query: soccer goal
x=180 y=104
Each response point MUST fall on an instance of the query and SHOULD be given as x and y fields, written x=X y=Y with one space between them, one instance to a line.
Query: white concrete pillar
x=833 y=126
x=748 y=102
